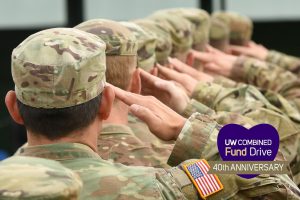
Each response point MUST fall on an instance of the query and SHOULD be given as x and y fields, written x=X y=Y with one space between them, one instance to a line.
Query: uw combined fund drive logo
x=248 y=152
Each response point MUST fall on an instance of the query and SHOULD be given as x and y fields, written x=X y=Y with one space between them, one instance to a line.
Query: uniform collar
x=116 y=128
x=59 y=151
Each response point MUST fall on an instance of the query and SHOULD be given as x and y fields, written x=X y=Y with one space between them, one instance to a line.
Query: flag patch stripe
x=206 y=184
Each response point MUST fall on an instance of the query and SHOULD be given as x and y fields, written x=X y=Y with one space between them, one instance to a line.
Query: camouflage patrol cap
x=219 y=34
x=146 y=45
x=201 y=21
x=37 y=178
x=163 y=39
x=119 y=39
x=58 y=68
x=179 y=28
x=240 y=26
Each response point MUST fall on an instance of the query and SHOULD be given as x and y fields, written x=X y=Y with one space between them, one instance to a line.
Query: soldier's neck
x=118 y=114
x=87 y=136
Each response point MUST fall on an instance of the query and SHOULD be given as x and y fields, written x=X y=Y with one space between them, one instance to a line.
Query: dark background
x=280 y=35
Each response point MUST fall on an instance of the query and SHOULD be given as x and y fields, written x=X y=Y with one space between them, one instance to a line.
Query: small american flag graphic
x=206 y=184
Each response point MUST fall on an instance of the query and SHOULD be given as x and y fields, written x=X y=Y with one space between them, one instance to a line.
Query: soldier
x=117 y=141
x=57 y=97
x=37 y=178
x=265 y=76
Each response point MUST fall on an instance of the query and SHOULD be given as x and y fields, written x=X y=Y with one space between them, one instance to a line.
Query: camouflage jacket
x=36 y=178
x=289 y=141
x=111 y=180
x=268 y=77
x=245 y=100
x=118 y=143
x=287 y=62
x=274 y=98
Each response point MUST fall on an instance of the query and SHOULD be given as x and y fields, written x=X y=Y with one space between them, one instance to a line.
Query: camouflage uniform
x=111 y=180
x=240 y=26
x=268 y=77
x=37 y=178
x=287 y=62
x=118 y=142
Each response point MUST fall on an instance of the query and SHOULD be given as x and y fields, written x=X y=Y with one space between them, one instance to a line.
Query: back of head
x=201 y=21
x=146 y=45
x=240 y=26
x=163 y=39
x=58 y=74
x=37 y=178
x=219 y=35
x=121 y=49
x=180 y=30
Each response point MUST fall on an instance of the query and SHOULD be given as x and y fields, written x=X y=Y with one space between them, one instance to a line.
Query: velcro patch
x=206 y=184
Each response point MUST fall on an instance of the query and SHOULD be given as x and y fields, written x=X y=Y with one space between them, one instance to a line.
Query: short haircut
x=59 y=122
x=119 y=70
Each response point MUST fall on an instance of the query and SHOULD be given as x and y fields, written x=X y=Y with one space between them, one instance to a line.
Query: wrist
x=178 y=127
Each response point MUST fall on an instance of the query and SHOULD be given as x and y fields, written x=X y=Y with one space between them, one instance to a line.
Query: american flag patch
x=206 y=184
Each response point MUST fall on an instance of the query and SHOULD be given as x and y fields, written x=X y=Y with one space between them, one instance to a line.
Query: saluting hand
x=162 y=121
x=166 y=91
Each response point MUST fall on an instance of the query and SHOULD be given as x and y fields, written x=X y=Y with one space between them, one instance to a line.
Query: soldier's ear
x=12 y=107
x=135 y=83
x=108 y=97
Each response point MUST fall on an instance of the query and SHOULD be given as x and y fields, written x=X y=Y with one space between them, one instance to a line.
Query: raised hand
x=186 y=69
x=162 y=121
x=252 y=49
x=188 y=82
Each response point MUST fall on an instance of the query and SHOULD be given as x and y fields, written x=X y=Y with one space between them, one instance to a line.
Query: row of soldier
x=113 y=110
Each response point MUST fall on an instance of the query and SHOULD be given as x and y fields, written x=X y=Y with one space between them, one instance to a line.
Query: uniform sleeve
x=261 y=74
x=287 y=62
x=268 y=77
x=207 y=93
x=175 y=184
x=210 y=151
x=225 y=82
x=195 y=106
x=193 y=138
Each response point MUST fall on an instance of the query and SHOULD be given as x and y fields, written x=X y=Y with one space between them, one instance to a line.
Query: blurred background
x=276 y=25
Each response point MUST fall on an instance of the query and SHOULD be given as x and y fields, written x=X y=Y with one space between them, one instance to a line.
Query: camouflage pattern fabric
x=36 y=178
x=163 y=39
x=201 y=21
x=41 y=85
x=219 y=35
x=268 y=77
x=146 y=45
x=241 y=27
x=111 y=180
x=249 y=102
x=287 y=62
x=107 y=180
x=179 y=28
x=119 y=39
x=245 y=100
x=226 y=82
x=118 y=143
x=141 y=131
